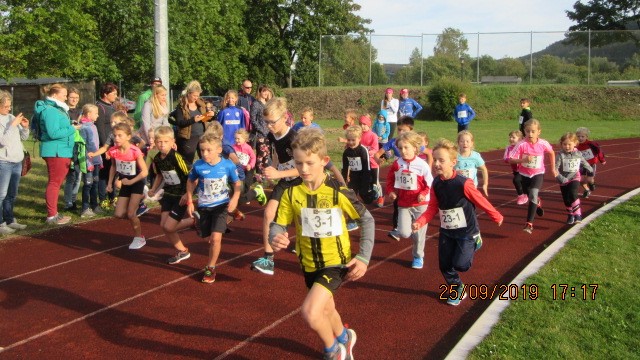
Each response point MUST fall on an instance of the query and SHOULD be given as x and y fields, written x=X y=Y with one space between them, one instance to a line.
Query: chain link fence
x=553 y=57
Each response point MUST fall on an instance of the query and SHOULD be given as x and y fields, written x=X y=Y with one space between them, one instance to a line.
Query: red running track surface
x=79 y=292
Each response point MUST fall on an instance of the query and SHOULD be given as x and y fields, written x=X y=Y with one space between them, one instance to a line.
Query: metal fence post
x=370 y=58
x=478 y=57
x=589 y=59
x=319 y=60
x=421 y=58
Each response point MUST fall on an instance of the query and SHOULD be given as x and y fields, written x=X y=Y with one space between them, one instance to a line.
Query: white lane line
x=82 y=318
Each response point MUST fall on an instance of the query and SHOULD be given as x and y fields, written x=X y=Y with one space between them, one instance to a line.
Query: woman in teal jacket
x=56 y=146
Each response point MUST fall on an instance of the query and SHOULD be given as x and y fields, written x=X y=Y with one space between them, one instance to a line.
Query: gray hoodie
x=11 y=137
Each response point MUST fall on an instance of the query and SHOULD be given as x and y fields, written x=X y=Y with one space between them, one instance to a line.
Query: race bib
x=215 y=189
x=453 y=218
x=171 y=177
x=464 y=172
x=287 y=166
x=587 y=154
x=243 y=158
x=571 y=165
x=406 y=181
x=321 y=223
x=520 y=120
x=127 y=168
x=355 y=163
x=462 y=114
x=534 y=163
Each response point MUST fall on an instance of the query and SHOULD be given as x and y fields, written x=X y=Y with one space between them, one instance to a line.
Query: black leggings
x=531 y=186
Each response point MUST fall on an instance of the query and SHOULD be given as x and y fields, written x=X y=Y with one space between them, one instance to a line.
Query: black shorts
x=135 y=188
x=213 y=220
x=172 y=205
x=331 y=278
x=281 y=186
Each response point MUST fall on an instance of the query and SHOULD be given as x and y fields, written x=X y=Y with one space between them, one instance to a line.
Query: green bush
x=443 y=96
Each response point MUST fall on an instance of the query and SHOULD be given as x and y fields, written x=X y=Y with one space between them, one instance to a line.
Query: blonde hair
x=275 y=108
x=580 y=130
x=425 y=137
x=123 y=126
x=4 y=97
x=227 y=95
x=307 y=109
x=353 y=131
x=214 y=128
x=351 y=114
x=532 y=122
x=571 y=136
x=210 y=138
x=311 y=141
x=448 y=146
x=517 y=133
x=87 y=108
x=244 y=133
x=163 y=131
x=411 y=138
x=157 y=109
x=463 y=133
x=120 y=116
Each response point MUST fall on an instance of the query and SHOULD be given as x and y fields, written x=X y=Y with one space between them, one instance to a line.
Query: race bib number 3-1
x=406 y=181
x=127 y=168
x=571 y=165
x=321 y=223
x=355 y=164
x=171 y=177
x=452 y=218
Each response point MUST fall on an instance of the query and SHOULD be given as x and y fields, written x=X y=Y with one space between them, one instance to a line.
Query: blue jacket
x=381 y=129
x=409 y=107
x=231 y=118
x=57 y=139
x=460 y=111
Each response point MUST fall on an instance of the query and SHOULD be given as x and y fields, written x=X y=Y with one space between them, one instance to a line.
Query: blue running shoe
x=417 y=263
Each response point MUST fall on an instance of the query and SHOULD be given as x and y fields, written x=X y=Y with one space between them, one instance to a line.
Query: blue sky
x=416 y=17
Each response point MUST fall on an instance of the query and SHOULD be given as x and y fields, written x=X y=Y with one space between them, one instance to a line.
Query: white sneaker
x=88 y=213
x=15 y=226
x=137 y=243
x=6 y=230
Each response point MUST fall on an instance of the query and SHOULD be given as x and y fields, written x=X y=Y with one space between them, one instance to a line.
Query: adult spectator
x=408 y=106
x=259 y=131
x=142 y=99
x=390 y=105
x=108 y=95
x=13 y=130
x=56 y=146
x=72 y=182
x=155 y=113
x=245 y=99
x=188 y=117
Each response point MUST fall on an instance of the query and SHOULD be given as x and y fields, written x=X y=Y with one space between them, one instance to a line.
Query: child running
x=408 y=181
x=529 y=155
x=470 y=161
x=356 y=166
x=514 y=137
x=127 y=163
x=246 y=159
x=569 y=161
x=316 y=207
x=212 y=177
x=350 y=119
x=425 y=153
x=525 y=114
x=592 y=152
x=455 y=198
x=170 y=168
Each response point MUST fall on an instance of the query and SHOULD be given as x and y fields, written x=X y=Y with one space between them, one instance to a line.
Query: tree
x=286 y=31
x=547 y=67
x=451 y=43
x=605 y=15
x=345 y=61
x=410 y=74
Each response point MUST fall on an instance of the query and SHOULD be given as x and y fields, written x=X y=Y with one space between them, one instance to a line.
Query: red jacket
x=413 y=179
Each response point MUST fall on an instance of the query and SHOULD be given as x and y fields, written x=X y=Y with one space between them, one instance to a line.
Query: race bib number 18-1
x=406 y=181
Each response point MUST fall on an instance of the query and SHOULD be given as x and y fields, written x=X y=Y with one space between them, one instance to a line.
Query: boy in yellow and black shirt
x=318 y=207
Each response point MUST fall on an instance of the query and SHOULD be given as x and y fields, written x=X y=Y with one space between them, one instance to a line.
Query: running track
x=79 y=292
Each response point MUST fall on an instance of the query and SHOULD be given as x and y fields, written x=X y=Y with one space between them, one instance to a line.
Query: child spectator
x=381 y=128
x=390 y=105
x=525 y=114
x=171 y=175
x=463 y=113
x=231 y=117
x=407 y=106
x=323 y=241
x=455 y=198
x=306 y=120
x=404 y=124
x=470 y=161
x=129 y=166
x=212 y=178
x=426 y=153
x=592 y=152
x=370 y=141
x=514 y=137
x=246 y=159
x=89 y=132
x=529 y=155
x=569 y=160
x=408 y=182
x=350 y=119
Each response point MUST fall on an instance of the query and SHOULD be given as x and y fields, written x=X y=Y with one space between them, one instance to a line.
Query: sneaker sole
x=179 y=259
x=416 y=267
x=394 y=237
x=267 y=272
x=354 y=338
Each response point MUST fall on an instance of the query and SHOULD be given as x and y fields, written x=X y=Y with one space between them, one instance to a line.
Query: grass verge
x=605 y=325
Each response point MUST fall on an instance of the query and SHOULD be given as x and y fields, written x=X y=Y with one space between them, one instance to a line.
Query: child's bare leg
x=319 y=311
x=269 y=215
x=132 y=207
x=170 y=227
x=214 y=250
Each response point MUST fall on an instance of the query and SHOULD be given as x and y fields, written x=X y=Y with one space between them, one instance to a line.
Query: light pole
x=461 y=68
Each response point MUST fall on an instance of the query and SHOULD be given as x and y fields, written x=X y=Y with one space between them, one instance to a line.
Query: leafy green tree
x=410 y=74
x=488 y=65
x=605 y=15
x=440 y=67
x=346 y=61
x=511 y=67
x=547 y=67
x=451 y=43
